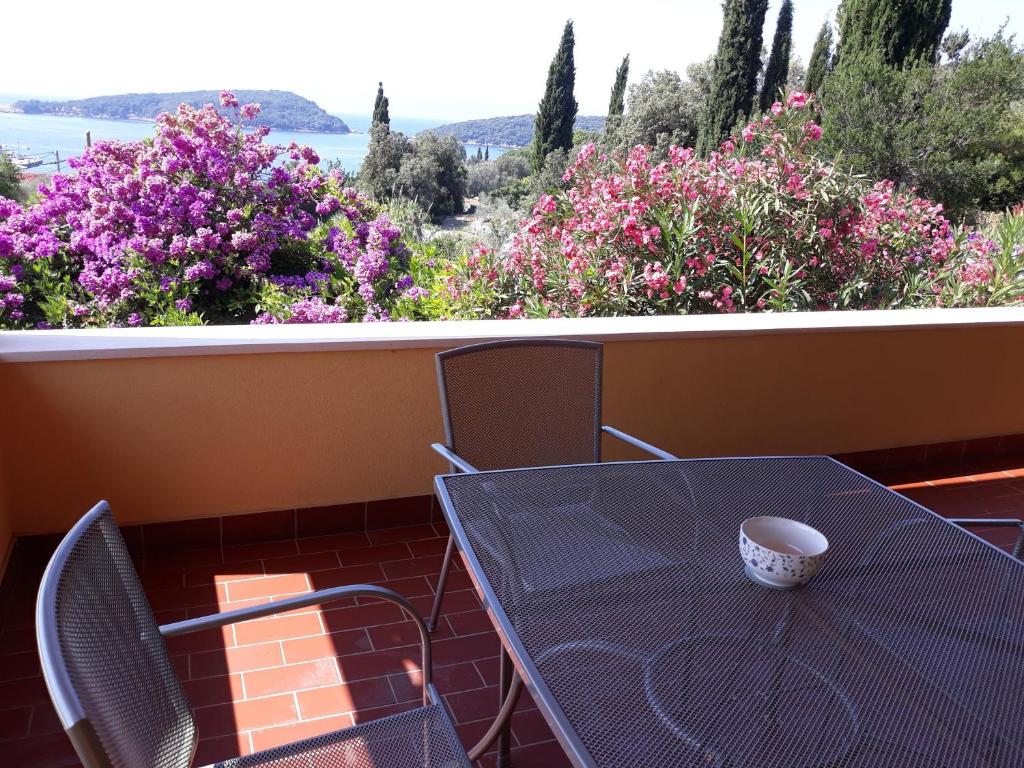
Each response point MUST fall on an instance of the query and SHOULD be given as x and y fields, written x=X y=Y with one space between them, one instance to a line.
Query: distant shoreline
x=9 y=109
x=486 y=144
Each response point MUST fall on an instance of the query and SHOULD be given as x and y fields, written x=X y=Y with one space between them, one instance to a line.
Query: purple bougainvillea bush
x=205 y=222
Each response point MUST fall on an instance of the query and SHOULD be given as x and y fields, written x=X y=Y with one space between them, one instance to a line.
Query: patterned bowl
x=781 y=553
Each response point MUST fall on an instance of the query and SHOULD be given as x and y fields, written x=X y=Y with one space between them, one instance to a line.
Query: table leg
x=505 y=672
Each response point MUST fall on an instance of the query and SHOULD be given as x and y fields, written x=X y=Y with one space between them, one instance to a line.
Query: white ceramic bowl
x=781 y=552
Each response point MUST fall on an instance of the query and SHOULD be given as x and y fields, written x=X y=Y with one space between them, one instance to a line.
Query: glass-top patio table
x=619 y=594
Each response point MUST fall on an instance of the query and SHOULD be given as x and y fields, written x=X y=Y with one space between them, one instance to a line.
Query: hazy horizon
x=357 y=121
x=494 y=63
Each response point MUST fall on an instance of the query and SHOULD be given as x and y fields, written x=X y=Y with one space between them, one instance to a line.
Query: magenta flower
x=199 y=218
x=250 y=111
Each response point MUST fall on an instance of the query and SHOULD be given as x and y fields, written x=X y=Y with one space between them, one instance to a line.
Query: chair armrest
x=646 y=447
x=454 y=459
x=302 y=601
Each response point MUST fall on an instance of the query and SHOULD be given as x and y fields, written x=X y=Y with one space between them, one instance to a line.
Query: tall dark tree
x=617 y=103
x=556 y=113
x=900 y=32
x=487 y=153
x=776 y=73
x=821 y=60
x=380 y=108
x=734 y=79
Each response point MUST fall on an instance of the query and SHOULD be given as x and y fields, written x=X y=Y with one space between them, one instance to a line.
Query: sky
x=437 y=58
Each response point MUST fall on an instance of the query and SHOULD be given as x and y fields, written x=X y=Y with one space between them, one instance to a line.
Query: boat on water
x=21 y=161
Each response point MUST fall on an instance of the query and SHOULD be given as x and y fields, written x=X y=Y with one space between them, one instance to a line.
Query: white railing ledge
x=101 y=343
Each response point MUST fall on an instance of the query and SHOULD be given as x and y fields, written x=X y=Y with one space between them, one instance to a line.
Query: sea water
x=46 y=134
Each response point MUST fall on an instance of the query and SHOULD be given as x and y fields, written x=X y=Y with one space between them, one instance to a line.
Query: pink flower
x=812 y=130
x=228 y=99
x=776 y=109
x=748 y=133
x=545 y=204
x=680 y=156
x=796 y=100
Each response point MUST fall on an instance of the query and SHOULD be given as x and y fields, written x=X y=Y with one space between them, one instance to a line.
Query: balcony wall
x=171 y=424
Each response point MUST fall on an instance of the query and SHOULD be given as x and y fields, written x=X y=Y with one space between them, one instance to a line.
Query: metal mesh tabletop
x=622 y=597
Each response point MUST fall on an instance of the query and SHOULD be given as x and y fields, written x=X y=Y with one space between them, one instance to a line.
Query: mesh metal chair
x=521 y=403
x=117 y=696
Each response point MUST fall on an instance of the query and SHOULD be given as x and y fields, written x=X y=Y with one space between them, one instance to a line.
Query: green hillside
x=281 y=109
x=510 y=131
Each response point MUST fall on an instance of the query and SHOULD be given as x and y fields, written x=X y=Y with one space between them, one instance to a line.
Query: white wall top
x=102 y=343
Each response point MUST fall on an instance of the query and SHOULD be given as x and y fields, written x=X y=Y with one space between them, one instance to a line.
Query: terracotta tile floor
x=985 y=488
x=281 y=678
x=274 y=680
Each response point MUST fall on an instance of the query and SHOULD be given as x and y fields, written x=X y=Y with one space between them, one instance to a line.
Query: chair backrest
x=104 y=661
x=522 y=403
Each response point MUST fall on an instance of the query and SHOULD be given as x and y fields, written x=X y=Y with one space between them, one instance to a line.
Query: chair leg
x=442 y=582
x=505 y=673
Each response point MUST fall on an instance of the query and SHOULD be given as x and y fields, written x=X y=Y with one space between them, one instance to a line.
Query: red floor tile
x=356 y=616
x=220 y=573
x=258 y=528
x=242 y=659
x=305 y=563
x=381 y=553
x=468 y=622
x=346 y=697
x=197 y=642
x=14 y=723
x=286 y=734
x=340 y=541
x=408 y=533
x=326 y=646
x=219 y=689
x=277 y=628
x=300 y=673
x=268 y=549
x=402 y=633
x=246 y=715
x=217 y=748
x=450 y=678
x=319 y=521
x=294 y=677
x=269 y=586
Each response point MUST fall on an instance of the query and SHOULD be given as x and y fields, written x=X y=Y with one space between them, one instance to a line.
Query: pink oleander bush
x=205 y=222
x=763 y=224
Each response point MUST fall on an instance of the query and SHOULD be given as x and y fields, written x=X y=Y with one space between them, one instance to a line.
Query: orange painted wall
x=173 y=438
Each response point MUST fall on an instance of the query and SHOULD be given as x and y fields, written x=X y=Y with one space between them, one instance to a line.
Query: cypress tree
x=820 y=63
x=487 y=153
x=901 y=32
x=380 y=109
x=556 y=112
x=617 y=103
x=777 y=71
x=734 y=77
x=479 y=153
